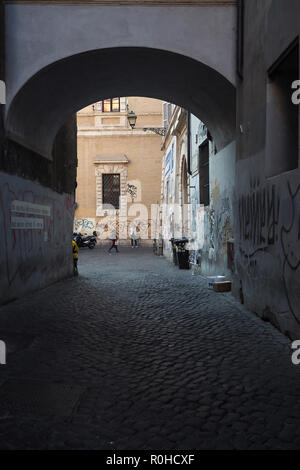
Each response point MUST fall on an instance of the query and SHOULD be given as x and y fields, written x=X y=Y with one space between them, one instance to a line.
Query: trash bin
x=160 y=248
x=174 y=250
x=157 y=247
x=183 y=255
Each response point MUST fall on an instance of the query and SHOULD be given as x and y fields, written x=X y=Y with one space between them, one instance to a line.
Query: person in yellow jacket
x=75 y=257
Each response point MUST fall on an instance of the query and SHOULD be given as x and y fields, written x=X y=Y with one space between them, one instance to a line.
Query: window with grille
x=111 y=189
x=111 y=105
x=204 y=173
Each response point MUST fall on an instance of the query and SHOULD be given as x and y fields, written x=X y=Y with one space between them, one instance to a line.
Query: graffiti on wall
x=35 y=224
x=84 y=225
x=290 y=245
x=112 y=225
x=259 y=216
x=218 y=223
x=132 y=191
x=269 y=223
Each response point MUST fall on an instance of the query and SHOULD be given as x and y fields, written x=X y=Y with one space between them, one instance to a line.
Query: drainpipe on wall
x=188 y=121
x=2 y=73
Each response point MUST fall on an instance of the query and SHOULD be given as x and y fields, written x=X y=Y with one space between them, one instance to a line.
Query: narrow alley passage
x=136 y=354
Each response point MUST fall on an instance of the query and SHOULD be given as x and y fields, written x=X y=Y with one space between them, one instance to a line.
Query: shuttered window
x=204 y=173
x=168 y=109
x=165 y=115
x=111 y=189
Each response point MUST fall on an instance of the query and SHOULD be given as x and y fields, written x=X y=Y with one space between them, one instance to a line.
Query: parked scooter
x=89 y=241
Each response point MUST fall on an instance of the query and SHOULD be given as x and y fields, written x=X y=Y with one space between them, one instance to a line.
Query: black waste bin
x=183 y=255
x=174 y=250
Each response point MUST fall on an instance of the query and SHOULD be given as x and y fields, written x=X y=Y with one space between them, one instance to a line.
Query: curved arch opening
x=59 y=90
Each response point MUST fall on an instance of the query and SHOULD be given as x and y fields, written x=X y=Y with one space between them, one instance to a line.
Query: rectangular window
x=97 y=106
x=111 y=189
x=282 y=141
x=204 y=173
x=111 y=105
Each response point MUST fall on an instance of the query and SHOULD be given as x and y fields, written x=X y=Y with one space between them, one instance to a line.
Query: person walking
x=137 y=237
x=75 y=257
x=114 y=243
x=133 y=236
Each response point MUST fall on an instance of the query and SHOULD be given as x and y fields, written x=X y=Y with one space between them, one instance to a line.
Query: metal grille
x=111 y=189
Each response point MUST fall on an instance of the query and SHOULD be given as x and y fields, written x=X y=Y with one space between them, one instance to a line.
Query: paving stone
x=137 y=354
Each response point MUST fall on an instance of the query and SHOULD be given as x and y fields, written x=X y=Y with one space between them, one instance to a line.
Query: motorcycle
x=89 y=241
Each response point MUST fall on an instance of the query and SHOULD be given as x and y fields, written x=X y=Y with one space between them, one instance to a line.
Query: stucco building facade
x=119 y=168
x=197 y=193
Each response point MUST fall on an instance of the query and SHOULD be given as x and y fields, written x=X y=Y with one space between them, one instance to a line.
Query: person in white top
x=134 y=237
x=114 y=242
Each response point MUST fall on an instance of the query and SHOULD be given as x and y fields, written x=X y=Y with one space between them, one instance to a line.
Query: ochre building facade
x=119 y=168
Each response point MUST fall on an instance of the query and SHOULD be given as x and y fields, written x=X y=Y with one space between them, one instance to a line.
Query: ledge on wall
x=111 y=159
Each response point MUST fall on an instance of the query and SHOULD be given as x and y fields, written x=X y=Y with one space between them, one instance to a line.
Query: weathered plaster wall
x=58 y=174
x=215 y=222
x=33 y=257
x=267 y=210
x=268 y=239
x=171 y=181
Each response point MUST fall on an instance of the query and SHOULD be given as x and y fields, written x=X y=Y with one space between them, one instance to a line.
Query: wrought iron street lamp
x=132 y=117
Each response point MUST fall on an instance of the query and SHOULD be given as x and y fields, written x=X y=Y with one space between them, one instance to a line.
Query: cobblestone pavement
x=136 y=354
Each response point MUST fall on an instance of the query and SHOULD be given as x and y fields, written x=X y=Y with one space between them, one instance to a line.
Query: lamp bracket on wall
x=156 y=130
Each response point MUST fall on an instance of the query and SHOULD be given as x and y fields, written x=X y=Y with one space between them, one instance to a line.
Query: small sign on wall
x=23 y=207
x=27 y=223
x=21 y=212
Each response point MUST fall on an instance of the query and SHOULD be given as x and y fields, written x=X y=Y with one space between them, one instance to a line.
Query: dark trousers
x=75 y=269
x=133 y=242
x=113 y=245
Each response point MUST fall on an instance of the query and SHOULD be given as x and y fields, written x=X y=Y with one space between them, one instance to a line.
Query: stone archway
x=35 y=115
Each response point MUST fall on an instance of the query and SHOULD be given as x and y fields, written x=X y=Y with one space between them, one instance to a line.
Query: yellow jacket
x=75 y=250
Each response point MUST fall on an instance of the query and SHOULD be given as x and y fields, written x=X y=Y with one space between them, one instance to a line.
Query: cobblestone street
x=136 y=354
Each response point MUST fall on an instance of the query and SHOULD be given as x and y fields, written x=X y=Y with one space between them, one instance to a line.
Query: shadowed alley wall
x=267 y=209
x=36 y=214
